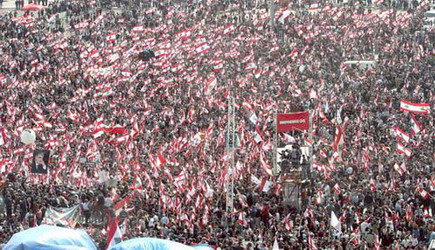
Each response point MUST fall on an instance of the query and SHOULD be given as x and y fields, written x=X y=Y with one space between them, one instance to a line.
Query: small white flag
x=335 y=223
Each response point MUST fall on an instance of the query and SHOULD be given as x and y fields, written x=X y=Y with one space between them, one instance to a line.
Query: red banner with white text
x=292 y=121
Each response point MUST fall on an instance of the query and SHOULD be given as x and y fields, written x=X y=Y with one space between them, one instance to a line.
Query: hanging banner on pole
x=292 y=121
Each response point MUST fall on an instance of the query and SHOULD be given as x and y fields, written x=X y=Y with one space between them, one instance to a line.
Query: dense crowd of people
x=131 y=99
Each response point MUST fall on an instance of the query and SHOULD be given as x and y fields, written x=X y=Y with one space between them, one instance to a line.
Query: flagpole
x=230 y=153
x=310 y=137
x=275 y=144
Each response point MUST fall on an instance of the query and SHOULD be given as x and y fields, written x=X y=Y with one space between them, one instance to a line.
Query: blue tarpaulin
x=151 y=244
x=50 y=238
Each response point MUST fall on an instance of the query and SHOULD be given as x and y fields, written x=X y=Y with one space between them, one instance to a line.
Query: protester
x=142 y=134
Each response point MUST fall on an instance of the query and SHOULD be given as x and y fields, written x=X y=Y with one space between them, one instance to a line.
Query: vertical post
x=310 y=137
x=230 y=153
x=275 y=144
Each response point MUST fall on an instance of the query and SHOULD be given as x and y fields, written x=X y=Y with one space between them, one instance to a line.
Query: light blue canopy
x=151 y=244
x=202 y=247
x=50 y=238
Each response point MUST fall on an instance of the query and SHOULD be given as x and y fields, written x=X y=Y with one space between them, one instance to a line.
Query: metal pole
x=275 y=145
x=230 y=153
x=310 y=137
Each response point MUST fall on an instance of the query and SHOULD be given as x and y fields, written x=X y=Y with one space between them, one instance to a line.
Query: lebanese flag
x=287 y=222
x=372 y=185
x=160 y=158
x=423 y=193
x=2 y=137
x=211 y=83
x=229 y=29
x=416 y=127
x=265 y=185
x=113 y=58
x=126 y=73
x=118 y=129
x=120 y=140
x=184 y=35
x=120 y=205
x=3 y=79
x=251 y=66
x=402 y=150
x=257 y=135
x=314 y=6
x=218 y=64
x=202 y=48
x=311 y=243
x=400 y=134
x=111 y=37
x=401 y=169
x=313 y=94
x=377 y=243
x=338 y=141
x=115 y=235
x=241 y=220
x=337 y=188
x=317 y=166
x=137 y=183
x=418 y=108
x=294 y=53
x=284 y=16
x=138 y=29
x=265 y=166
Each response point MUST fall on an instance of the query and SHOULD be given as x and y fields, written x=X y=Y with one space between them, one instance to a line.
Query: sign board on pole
x=292 y=121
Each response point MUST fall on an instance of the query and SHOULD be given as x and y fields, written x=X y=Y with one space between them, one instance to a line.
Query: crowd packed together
x=131 y=99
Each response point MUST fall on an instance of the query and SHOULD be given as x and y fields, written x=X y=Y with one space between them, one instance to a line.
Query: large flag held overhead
x=66 y=217
x=420 y=108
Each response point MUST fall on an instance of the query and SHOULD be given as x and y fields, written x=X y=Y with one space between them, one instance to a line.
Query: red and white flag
x=401 y=169
x=338 y=140
x=400 y=134
x=115 y=235
x=423 y=193
x=265 y=166
x=257 y=135
x=229 y=29
x=2 y=137
x=403 y=150
x=137 y=183
x=160 y=158
x=313 y=94
x=3 y=79
x=211 y=83
x=138 y=29
x=284 y=16
x=420 y=108
x=265 y=185
x=202 y=48
x=416 y=127
x=377 y=243
x=311 y=244
x=111 y=37
x=337 y=188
